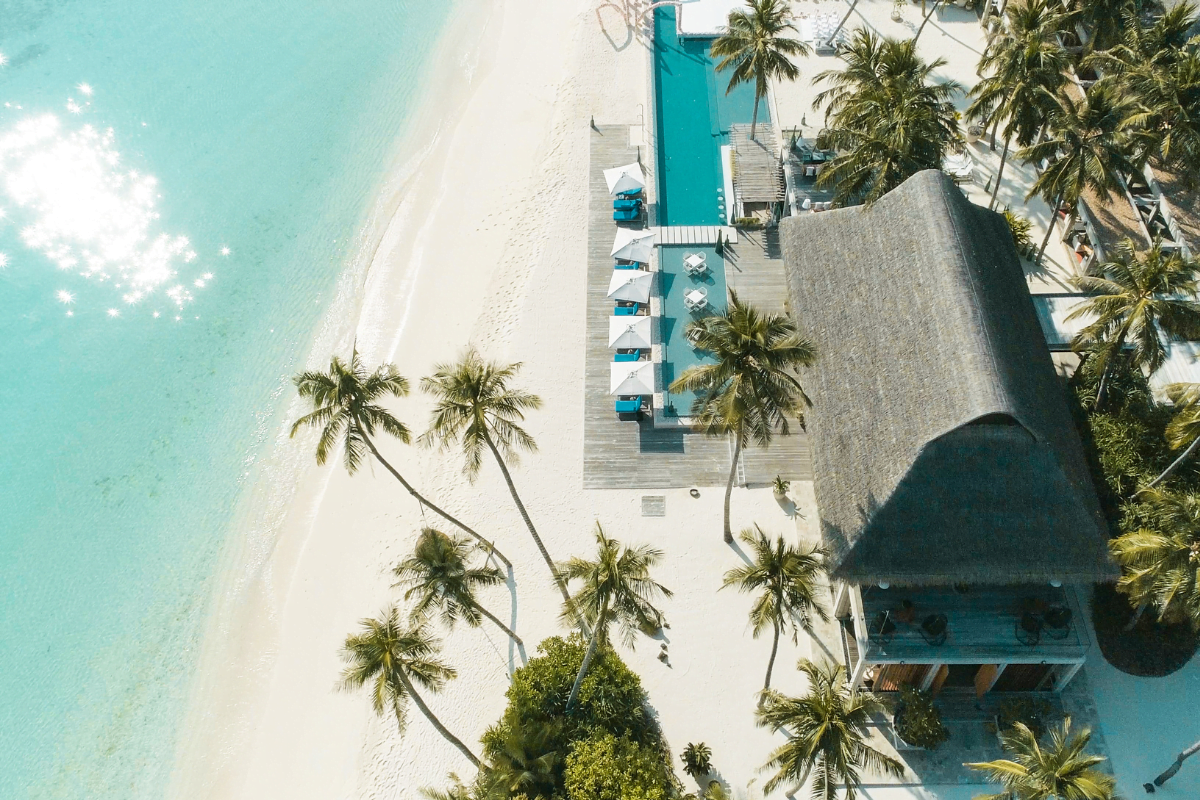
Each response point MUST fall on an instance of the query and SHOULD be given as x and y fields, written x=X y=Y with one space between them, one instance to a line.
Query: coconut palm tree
x=863 y=57
x=750 y=390
x=345 y=402
x=1139 y=300
x=1156 y=65
x=522 y=760
x=394 y=660
x=616 y=589
x=1102 y=19
x=1088 y=148
x=785 y=577
x=1183 y=431
x=478 y=410
x=1161 y=565
x=755 y=48
x=1027 y=64
x=1060 y=770
x=437 y=575
x=887 y=119
x=827 y=730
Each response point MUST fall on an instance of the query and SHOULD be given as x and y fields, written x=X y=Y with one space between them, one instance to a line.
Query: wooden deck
x=696 y=234
x=758 y=177
x=620 y=454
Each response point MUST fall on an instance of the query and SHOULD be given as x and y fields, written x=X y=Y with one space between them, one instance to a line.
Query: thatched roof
x=943 y=449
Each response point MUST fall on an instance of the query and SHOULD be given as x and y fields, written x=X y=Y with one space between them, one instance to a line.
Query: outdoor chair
x=625 y=311
x=629 y=405
x=626 y=215
x=621 y=205
x=883 y=628
x=934 y=629
x=636 y=355
x=1057 y=622
x=1029 y=629
x=627 y=265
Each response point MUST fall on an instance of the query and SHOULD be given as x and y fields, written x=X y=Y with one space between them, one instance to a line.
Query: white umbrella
x=629 y=331
x=631 y=377
x=630 y=284
x=628 y=178
x=633 y=245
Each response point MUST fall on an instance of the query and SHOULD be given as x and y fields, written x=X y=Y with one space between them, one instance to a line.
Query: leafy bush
x=536 y=738
x=605 y=767
x=1034 y=713
x=749 y=223
x=697 y=759
x=918 y=721
x=780 y=485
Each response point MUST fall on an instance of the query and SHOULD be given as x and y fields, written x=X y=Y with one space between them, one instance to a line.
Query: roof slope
x=942 y=444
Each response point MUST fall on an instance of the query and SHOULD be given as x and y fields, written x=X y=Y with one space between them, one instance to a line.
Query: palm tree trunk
x=833 y=35
x=1171 y=770
x=737 y=452
x=754 y=119
x=450 y=737
x=500 y=625
x=1049 y=229
x=1102 y=389
x=593 y=641
x=1137 y=615
x=512 y=488
x=488 y=546
x=995 y=128
x=927 y=16
x=771 y=662
x=1000 y=170
x=1182 y=457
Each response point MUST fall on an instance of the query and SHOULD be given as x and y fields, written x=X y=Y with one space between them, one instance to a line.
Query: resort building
x=954 y=499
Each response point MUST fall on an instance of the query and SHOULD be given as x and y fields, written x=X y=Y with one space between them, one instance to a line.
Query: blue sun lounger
x=627 y=215
x=634 y=356
x=625 y=311
x=621 y=205
x=629 y=406
x=630 y=265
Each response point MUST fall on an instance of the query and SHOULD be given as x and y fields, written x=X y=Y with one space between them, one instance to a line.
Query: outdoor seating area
x=695 y=264
x=626 y=185
x=806 y=162
x=630 y=287
x=696 y=299
x=959 y=166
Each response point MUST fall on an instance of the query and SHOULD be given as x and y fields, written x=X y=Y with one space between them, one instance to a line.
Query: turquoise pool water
x=238 y=145
x=693 y=114
x=675 y=282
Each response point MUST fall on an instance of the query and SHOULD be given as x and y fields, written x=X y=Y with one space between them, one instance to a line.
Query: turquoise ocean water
x=181 y=185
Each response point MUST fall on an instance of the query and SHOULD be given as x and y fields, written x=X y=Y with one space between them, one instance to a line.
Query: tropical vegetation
x=615 y=589
x=827 y=735
x=750 y=389
x=1161 y=562
x=1057 y=770
x=346 y=408
x=755 y=47
x=786 y=582
x=886 y=116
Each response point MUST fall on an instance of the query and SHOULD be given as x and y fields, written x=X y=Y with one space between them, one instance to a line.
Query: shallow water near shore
x=181 y=186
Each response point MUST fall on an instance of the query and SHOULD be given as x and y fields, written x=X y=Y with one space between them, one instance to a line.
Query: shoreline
x=284 y=483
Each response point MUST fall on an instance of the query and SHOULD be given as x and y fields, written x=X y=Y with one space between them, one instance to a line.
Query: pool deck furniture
x=625 y=205
x=627 y=215
x=627 y=265
x=695 y=264
x=696 y=299
x=636 y=355
x=629 y=405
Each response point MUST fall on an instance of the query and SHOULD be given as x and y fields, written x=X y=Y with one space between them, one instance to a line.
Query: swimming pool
x=678 y=353
x=693 y=115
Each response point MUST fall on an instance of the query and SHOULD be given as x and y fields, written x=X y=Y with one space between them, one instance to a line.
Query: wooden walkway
x=758 y=173
x=696 y=234
x=635 y=455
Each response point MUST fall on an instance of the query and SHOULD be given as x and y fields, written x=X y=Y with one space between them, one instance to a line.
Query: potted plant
x=781 y=487
x=697 y=759
x=917 y=720
x=896 y=6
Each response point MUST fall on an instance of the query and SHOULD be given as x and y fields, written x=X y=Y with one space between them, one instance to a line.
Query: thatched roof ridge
x=943 y=448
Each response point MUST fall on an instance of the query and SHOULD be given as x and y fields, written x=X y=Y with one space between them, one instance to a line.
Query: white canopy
x=633 y=245
x=629 y=331
x=631 y=377
x=628 y=178
x=630 y=284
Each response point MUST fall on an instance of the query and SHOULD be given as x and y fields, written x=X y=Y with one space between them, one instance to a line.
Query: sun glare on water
x=73 y=201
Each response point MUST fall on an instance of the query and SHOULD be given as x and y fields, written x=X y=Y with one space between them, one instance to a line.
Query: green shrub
x=697 y=759
x=918 y=721
x=1034 y=713
x=749 y=223
x=605 y=767
x=1019 y=227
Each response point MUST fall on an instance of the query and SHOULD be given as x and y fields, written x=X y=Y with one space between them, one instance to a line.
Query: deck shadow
x=660 y=440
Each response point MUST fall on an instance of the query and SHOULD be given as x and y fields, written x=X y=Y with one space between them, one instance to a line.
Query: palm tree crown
x=1161 y=565
x=1138 y=300
x=755 y=48
x=749 y=391
x=616 y=588
x=391 y=658
x=1183 y=431
x=438 y=576
x=1059 y=771
x=345 y=407
x=785 y=578
x=477 y=409
x=828 y=731
x=886 y=117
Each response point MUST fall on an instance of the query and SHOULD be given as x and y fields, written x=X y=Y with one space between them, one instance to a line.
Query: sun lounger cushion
x=625 y=216
x=627 y=356
x=622 y=205
x=625 y=311
x=629 y=406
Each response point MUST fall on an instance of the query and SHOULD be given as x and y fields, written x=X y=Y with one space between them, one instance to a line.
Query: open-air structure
x=960 y=520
